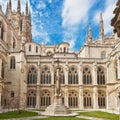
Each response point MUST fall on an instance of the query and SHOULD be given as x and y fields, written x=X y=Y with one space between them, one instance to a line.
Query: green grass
x=61 y=118
x=99 y=114
x=17 y=114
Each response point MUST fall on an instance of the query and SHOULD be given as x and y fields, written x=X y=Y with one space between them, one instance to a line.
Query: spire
x=24 y=30
x=10 y=5
x=101 y=27
x=89 y=35
x=23 y=25
x=27 y=8
x=0 y=8
x=8 y=10
x=18 y=7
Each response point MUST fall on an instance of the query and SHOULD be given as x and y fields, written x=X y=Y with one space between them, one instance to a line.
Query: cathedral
x=89 y=78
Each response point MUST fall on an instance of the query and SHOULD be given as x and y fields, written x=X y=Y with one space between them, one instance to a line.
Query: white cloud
x=75 y=11
x=41 y=5
x=107 y=15
x=38 y=31
x=50 y=1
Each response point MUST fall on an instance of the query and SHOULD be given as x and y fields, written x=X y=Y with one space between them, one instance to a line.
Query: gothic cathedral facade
x=90 y=77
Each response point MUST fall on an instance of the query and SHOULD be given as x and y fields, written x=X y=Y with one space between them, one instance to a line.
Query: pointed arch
x=31 y=98
x=73 y=75
x=32 y=75
x=45 y=75
x=87 y=77
x=12 y=63
x=101 y=99
x=73 y=99
x=100 y=75
x=87 y=99
x=45 y=98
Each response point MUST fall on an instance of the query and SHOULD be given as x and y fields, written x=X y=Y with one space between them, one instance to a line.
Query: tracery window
x=1 y=31
x=45 y=98
x=101 y=99
x=31 y=98
x=62 y=76
x=45 y=76
x=87 y=100
x=32 y=76
x=87 y=78
x=72 y=76
x=12 y=62
x=73 y=99
x=100 y=76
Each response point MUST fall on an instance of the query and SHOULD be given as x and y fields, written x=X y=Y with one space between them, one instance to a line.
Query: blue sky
x=55 y=21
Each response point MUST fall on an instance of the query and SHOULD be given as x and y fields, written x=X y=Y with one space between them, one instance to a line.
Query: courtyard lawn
x=61 y=118
x=17 y=114
x=99 y=114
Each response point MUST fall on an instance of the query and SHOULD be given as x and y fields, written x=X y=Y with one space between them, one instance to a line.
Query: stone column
x=38 y=89
x=52 y=75
x=80 y=73
x=81 y=98
x=95 y=91
x=66 y=74
x=95 y=98
x=0 y=67
x=66 y=97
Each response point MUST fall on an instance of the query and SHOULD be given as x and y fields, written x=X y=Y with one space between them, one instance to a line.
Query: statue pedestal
x=58 y=109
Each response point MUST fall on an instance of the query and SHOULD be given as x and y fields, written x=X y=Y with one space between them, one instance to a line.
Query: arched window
x=87 y=100
x=29 y=47
x=1 y=31
x=14 y=43
x=45 y=98
x=12 y=62
x=36 y=49
x=32 y=76
x=72 y=76
x=100 y=76
x=62 y=76
x=103 y=54
x=31 y=98
x=12 y=94
x=45 y=76
x=73 y=99
x=87 y=78
x=101 y=99
x=3 y=70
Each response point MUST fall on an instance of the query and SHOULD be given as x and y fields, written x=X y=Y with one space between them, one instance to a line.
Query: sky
x=56 y=21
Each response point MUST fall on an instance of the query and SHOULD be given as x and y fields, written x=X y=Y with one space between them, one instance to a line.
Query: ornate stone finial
x=27 y=10
x=18 y=7
x=89 y=35
x=101 y=27
x=10 y=4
